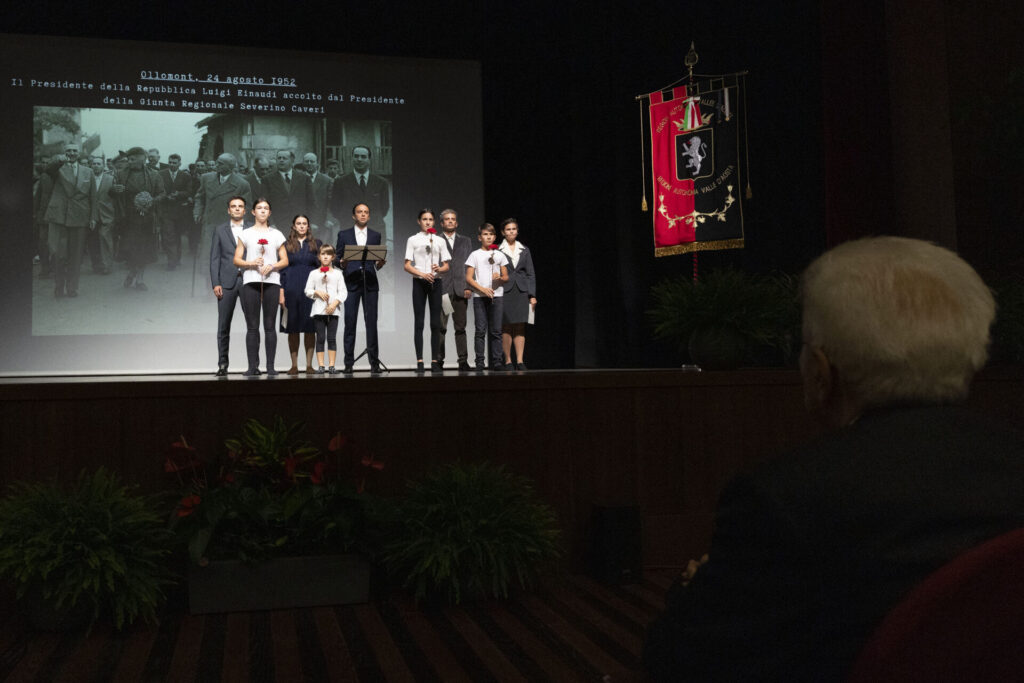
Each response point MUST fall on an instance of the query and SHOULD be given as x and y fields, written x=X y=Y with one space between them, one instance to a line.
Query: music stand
x=368 y=252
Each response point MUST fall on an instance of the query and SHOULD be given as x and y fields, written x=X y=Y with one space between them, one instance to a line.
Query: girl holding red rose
x=261 y=256
x=426 y=257
x=326 y=287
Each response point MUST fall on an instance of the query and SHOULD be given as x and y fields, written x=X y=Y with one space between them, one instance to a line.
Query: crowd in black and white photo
x=134 y=207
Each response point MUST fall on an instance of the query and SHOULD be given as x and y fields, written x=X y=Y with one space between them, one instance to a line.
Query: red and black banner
x=695 y=163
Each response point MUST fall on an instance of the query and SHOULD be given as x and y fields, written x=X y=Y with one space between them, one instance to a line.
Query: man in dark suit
x=215 y=188
x=176 y=214
x=453 y=285
x=101 y=239
x=225 y=276
x=260 y=169
x=153 y=160
x=813 y=549
x=289 y=191
x=320 y=193
x=362 y=187
x=68 y=215
x=361 y=280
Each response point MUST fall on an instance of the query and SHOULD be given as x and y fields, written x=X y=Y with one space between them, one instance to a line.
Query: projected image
x=125 y=203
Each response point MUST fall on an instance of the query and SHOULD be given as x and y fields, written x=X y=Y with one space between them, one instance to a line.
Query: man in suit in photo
x=197 y=170
x=176 y=214
x=812 y=549
x=225 y=276
x=260 y=169
x=361 y=280
x=153 y=160
x=68 y=215
x=320 y=192
x=362 y=187
x=333 y=169
x=453 y=285
x=101 y=237
x=289 y=191
x=215 y=188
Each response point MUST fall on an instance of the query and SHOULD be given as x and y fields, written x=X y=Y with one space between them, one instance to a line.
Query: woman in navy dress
x=303 y=250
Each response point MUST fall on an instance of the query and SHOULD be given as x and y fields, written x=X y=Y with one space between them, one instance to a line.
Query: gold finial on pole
x=691 y=60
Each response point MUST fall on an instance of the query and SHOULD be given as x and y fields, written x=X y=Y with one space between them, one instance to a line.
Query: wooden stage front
x=662 y=440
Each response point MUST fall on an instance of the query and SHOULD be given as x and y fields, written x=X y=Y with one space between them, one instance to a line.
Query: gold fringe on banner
x=690 y=247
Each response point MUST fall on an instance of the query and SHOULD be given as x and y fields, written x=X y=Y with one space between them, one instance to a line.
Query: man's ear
x=819 y=378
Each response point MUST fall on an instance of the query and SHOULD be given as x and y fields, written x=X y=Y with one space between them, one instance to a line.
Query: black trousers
x=326 y=327
x=487 y=318
x=226 y=311
x=253 y=303
x=369 y=299
x=460 y=307
x=422 y=292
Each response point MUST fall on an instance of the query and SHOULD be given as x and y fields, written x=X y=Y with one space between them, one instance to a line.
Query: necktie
x=288 y=180
x=362 y=183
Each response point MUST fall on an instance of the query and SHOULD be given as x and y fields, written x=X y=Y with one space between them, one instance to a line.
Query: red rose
x=263 y=242
x=324 y=269
x=188 y=505
x=493 y=246
x=432 y=231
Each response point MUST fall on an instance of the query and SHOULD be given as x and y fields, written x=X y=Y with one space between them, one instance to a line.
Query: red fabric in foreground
x=965 y=622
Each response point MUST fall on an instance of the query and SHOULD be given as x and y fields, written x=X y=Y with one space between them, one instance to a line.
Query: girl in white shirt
x=426 y=257
x=261 y=255
x=326 y=287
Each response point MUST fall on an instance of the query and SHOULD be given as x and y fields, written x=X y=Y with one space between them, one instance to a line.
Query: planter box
x=232 y=586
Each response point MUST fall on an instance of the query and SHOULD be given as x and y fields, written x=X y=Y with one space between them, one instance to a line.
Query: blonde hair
x=901 y=319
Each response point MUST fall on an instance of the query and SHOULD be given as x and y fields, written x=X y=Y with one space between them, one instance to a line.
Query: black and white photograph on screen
x=125 y=204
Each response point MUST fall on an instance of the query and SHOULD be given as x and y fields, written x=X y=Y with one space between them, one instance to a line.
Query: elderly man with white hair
x=812 y=549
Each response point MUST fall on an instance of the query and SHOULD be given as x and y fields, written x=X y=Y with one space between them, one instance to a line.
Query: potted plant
x=94 y=548
x=272 y=523
x=720 y=318
x=468 y=531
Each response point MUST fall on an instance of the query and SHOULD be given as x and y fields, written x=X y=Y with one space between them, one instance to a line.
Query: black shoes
x=331 y=370
x=222 y=371
x=436 y=368
x=252 y=372
x=464 y=366
x=375 y=368
x=419 y=367
x=271 y=372
x=520 y=366
x=320 y=370
x=347 y=370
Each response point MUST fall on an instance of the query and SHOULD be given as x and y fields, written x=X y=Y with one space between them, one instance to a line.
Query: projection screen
x=419 y=119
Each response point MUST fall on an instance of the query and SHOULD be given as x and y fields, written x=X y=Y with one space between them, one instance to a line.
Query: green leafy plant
x=96 y=543
x=472 y=529
x=760 y=309
x=272 y=494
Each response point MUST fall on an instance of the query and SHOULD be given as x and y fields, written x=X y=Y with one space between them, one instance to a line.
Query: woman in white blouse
x=426 y=257
x=520 y=295
x=261 y=256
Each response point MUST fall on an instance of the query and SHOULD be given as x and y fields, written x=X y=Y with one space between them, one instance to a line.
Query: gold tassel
x=643 y=204
x=750 y=193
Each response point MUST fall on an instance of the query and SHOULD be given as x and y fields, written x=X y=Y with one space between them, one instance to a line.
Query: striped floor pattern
x=572 y=629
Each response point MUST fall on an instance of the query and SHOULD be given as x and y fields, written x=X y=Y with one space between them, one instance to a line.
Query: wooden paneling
x=664 y=440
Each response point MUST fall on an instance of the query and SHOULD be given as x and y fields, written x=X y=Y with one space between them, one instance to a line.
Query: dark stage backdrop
x=560 y=131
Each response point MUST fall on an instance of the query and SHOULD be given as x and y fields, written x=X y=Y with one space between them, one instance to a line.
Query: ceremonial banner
x=695 y=153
